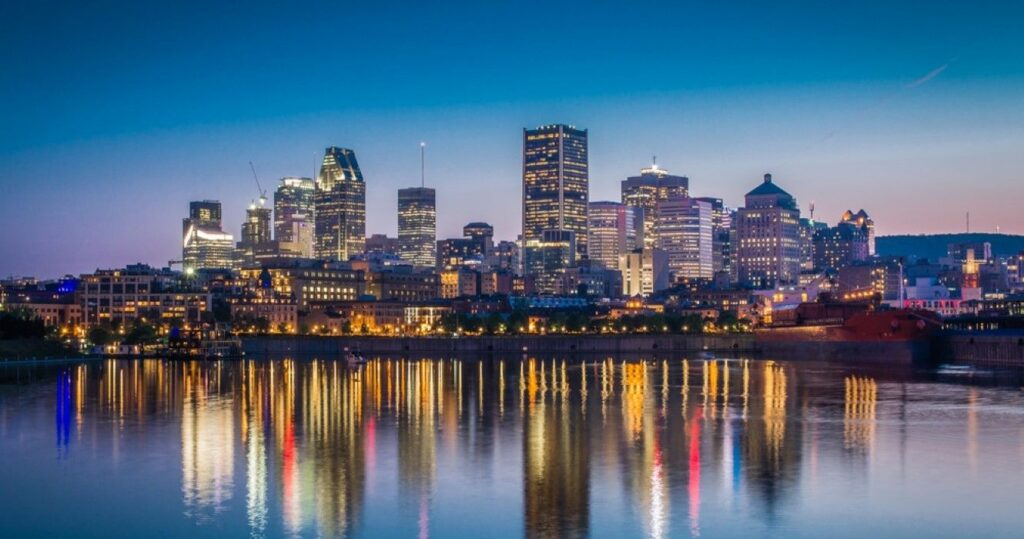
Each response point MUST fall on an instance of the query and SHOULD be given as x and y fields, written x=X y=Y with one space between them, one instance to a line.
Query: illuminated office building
x=644 y=191
x=293 y=202
x=339 y=207
x=863 y=221
x=204 y=244
x=768 y=237
x=255 y=235
x=683 y=227
x=611 y=232
x=417 y=226
x=644 y=272
x=555 y=184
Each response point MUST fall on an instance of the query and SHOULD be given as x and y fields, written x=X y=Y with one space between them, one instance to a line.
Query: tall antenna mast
x=812 y=210
x=423 y=164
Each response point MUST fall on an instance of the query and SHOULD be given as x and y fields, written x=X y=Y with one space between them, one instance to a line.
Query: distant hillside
x=933 y=246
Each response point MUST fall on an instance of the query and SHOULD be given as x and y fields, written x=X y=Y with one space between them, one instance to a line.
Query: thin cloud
x=929 y=76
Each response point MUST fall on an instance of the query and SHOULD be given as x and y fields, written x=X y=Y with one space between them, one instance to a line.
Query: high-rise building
x=721 y=221
x=417 y=226
x=339 y=207
x=768 y=237
x=611 y=232
x=644 y=191
x=547 y=258
x=482 y=233
x=293 y=201
x=839 y=246
x=204 y=244
x=255 y=236
x=644 y=272
x=683 y=227
x=555 y=184
x=862 y=220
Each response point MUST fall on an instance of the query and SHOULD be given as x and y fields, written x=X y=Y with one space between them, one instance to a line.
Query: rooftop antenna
x=423 y=164
x=654 y=162
x=259 y=188
x=812 y=210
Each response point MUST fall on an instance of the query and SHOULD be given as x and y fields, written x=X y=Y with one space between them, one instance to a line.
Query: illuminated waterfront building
x=611 y=231
x=768 y=237
x=204 y=244
x=643 y=193
x=683 y=227
x=555 y=184
x=644 y=272
x=139 y=292
x=417 y=226
x=310 y=282
x=339 y=207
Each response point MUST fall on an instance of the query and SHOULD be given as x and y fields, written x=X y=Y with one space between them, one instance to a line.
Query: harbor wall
x=315 y=346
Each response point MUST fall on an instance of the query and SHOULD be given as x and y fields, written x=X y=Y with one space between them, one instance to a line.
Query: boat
x=354 y=359
x=849 y=332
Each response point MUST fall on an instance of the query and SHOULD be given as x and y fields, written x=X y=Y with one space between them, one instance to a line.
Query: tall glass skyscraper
x=417 y=226
x=612 y=232
x=644 y=191
x=339 y=206
x=555 y=186
x=684 y=229
x=293 y=201
x=204 y=244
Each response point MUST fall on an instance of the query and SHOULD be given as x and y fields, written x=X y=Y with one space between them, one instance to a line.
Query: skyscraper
x=255 y=235
x=339 y=206
x=417 y=226
x=204 y=244
x=293 y=201
x=683 y=227
x=555 y=185
x=644 y=191
x=768 y=237
x=611 y=232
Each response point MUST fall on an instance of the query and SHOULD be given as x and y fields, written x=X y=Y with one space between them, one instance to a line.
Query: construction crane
x=259 y=188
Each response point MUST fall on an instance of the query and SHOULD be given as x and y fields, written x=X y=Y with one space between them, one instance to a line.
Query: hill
x=934 y=246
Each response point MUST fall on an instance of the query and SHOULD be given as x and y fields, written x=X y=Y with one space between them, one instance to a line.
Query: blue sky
x=115 y=115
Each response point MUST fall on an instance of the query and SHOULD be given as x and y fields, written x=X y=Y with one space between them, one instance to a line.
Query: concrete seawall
x=310 y=346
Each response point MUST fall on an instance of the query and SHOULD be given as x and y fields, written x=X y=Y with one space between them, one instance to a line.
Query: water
x=513 y=448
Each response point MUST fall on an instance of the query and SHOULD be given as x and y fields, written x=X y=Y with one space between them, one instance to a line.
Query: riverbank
x=313 y=346
x=34 y=349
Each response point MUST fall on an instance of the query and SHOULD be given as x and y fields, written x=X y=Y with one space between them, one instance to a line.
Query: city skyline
x=924 y=117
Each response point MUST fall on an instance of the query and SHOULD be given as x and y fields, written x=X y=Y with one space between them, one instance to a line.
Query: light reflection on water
x=506 y=447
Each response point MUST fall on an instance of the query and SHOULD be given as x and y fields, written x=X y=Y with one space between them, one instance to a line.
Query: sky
x=114 y=115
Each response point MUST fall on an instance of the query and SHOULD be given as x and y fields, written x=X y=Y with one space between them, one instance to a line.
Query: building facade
x=555 y=184
x=417 y=226
x=339 y=207
x=611 y=232
x=643 y=193
x=683 y=227
x=768 y=237
x=204 y=244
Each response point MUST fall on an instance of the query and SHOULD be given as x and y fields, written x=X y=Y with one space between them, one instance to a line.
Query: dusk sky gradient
x=116 y=115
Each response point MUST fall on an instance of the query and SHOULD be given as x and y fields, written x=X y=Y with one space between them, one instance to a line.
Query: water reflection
x=654 y=447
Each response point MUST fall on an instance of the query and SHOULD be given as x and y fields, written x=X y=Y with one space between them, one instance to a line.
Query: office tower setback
x=417 y=226
x=768 y=237
x=611 y=232
x=555 y=184
x=683 y=227
x=644 y=191
x=204 y=244
x=839 y=246
x=339 y=207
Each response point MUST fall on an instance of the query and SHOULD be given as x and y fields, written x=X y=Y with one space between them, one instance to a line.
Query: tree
x=282 y=328
x=141 y=334
x=99 y=335
x=262 y=324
